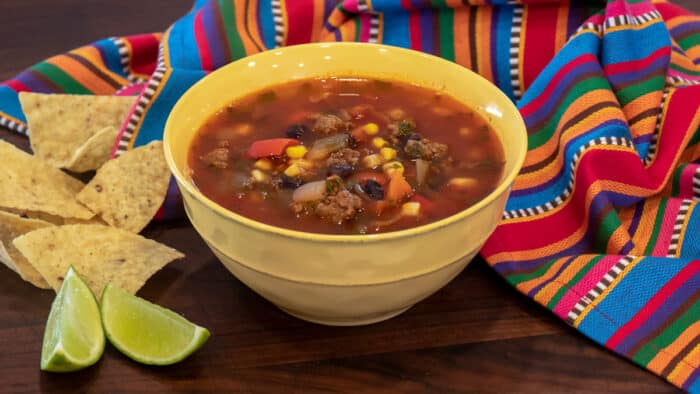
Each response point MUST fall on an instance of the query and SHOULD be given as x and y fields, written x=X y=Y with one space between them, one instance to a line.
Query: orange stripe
x=483 y=45
x=682 y=371
x=82 y=75
x=593 y=190
x=246 y=40
x=531 y=179
x=521 y=49
x=317 y=28
x=578 y=106
x=285 y=21
x=461 y=39
x=253 y=27
x=665 y=355
x=550 y=289
x=526 y=286
x=92 y=55
x=562 y=26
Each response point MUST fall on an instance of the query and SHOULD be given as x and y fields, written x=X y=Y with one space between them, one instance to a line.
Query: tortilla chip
x=11 y=227
x=101 y=254
x=60 y=123
x=128 y=191
x=94 y=152
x=25 y=214
x=27 y=183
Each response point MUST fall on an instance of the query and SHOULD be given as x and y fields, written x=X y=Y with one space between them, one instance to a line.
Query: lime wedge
x=146 y=332
x=73 y=338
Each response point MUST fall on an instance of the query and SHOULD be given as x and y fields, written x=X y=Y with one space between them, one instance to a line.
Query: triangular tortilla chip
x=127 y=191
x=60 y=123
x=94 y=152
x=101 y=254
x=27 y=183
x=11 y=227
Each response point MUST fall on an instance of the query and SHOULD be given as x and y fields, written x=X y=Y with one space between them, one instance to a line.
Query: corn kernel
x=378 y=142
x=388 y=153
x=410 y=208
x=371 y=128
x=292 y=171
x=296 y=152
x=302 y=163
x=372 y=161
x=462 y=183
x=263 y=164
x=441 y=111
x=259 y=176
x=393 y=166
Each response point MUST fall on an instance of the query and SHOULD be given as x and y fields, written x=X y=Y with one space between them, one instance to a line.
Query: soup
x=346 y=156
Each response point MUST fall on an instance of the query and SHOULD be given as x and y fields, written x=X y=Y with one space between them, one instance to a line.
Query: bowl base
x=354 y=321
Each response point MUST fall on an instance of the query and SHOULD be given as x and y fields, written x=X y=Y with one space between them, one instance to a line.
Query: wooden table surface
x=476 y=335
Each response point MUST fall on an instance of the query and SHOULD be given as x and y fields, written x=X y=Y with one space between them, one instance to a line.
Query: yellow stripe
x=550 y=289
x=521 y=49
x=685 y=226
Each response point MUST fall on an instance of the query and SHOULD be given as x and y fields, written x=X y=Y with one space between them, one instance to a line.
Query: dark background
x=477 y=334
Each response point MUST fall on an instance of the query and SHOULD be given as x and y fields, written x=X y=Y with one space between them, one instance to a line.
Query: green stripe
x=657 y=228
x=673 y=331
x=60 y=78
x=519 y=278
x=676 y=185
x=684 y=70
x=358 y=29
x=630 y=93
x=542 y=136
x=571 y=283
x=610 y=223
x=695 y=139
x=228 y=13
x=690 y=41
x=447 y=41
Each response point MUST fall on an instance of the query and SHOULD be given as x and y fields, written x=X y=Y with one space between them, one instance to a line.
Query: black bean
x=287 y=182
x=296 y=131
x=374 y=190
x=352 y=142
x=342 y=170
x=414 y=136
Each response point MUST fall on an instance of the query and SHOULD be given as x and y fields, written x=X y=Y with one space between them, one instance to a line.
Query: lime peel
x=73 y=337
x=146 y=332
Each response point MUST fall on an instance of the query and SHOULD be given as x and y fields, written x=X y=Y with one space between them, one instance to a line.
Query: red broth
x=346 y=156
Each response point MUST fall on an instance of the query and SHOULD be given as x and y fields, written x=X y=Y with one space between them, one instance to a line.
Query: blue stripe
x=9 y=103
x=267 y=23
x=629 y=296
x=632 y=45
x=110 y=56
x=182 y=46
x=501 y=51
x=396 y=29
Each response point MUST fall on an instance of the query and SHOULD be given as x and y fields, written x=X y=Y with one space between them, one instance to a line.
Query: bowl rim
x=502 y=187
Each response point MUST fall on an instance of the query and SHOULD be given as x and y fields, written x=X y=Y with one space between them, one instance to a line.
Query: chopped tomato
x=270 y=147
x=359 y=135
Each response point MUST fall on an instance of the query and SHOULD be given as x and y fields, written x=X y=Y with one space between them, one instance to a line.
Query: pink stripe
x=16 y=85
x=202 y=44
x=365 y=21
x=586 y=283
x=351 y=5
x=685 y=188
x=664 y=239
x=621 y=7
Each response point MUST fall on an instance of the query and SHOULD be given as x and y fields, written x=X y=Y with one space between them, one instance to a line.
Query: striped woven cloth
x=602 y=226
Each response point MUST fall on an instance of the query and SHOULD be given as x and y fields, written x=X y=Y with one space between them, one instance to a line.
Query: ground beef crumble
x=425 y=149
x=330 y=124
x=344 y=156
x=217 y=158
x=339 y=207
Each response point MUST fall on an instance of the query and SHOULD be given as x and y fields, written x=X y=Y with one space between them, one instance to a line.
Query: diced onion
x=422 y=168
x=312 y=191
x=325 y=146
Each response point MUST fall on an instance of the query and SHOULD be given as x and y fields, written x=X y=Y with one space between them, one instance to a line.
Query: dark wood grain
x=476 y=335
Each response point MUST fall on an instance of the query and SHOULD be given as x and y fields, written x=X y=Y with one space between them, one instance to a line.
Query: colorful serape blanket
x=602 y=226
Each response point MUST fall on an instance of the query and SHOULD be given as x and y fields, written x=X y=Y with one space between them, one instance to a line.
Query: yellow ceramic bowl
x=342 y=279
